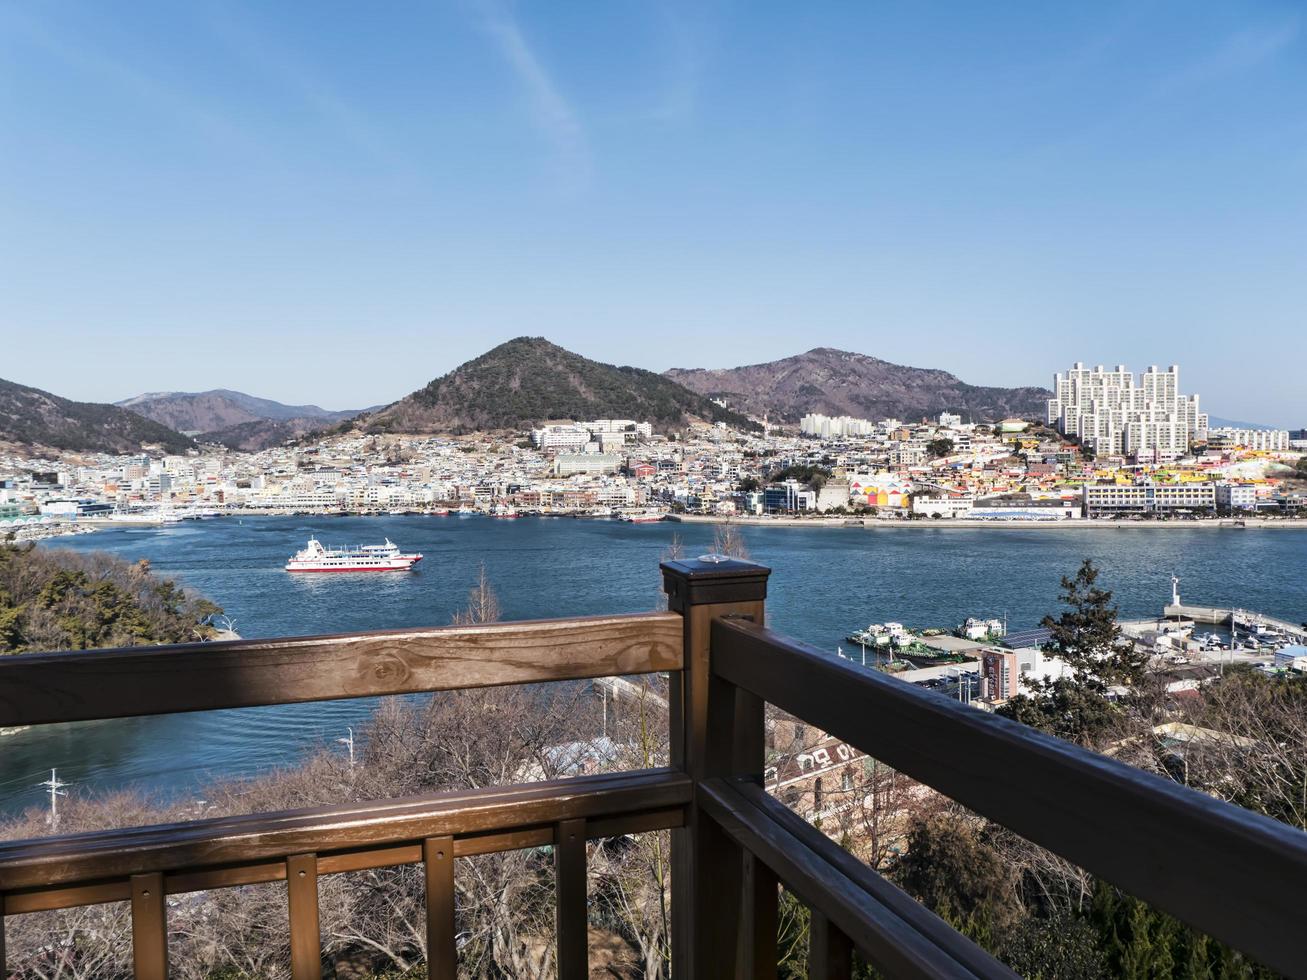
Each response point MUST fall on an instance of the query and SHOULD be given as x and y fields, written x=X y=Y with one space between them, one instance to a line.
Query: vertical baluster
x=571 y=913
x=149 y=928
x=438 y=859
x=758 y=932
x=830 y=954
x=305 y=931
x=4 y=970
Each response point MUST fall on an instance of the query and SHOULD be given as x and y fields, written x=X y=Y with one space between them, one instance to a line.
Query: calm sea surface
x=825 y=582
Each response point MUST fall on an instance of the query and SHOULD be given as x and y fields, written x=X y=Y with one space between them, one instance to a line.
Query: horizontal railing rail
x=228 y=844
x=895 y=933
x=42 y=688
x=1224 y=870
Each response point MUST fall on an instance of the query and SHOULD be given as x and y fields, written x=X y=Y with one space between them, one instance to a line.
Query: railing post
x=571 y=915
x=305 y=926
x=438 y=864
x=716 y=730
x=149 y=928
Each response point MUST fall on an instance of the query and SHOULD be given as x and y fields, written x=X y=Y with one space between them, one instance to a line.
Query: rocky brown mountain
x=837 y=382
x=232 y=418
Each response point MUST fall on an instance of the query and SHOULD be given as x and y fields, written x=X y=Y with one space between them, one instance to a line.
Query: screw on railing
x=716 y=730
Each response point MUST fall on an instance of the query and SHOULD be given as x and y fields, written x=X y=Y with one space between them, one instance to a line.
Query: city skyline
x=270 y=199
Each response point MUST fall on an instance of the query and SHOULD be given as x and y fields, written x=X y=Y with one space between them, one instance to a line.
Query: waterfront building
x=788 y=496
x=833 y=494
x=944 y=506
x=1264 y=440
x=1236 y=496
x=1145 y=499
x=880 y=490
x=1115 y=413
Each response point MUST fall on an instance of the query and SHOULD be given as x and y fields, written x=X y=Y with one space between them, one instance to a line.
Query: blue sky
x=335 y=202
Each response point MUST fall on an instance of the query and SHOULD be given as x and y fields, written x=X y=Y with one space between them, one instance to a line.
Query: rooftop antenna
x=56 y=790
x=349 y=743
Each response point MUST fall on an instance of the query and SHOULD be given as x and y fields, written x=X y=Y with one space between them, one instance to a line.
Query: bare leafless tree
x=728 y=540
x=482 y=603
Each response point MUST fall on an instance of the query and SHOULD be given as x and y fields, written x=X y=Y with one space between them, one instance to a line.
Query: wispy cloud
x=552 y=114
x=1239 y=52
x=254 y=43
x=686 y=36
x=166 y=95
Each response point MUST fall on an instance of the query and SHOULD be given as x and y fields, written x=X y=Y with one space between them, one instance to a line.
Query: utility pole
x=56 y=789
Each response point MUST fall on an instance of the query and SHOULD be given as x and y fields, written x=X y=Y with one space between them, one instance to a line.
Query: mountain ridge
x=527 y=381
x=830 y=381
x=233 y=418
x=36 y=418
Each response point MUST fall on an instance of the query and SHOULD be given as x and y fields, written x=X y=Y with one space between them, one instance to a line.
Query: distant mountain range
x=1216 y=422
x=527 y=381
x=519 y=384
x=836 y=382
x=37 y=419
x=233 y=418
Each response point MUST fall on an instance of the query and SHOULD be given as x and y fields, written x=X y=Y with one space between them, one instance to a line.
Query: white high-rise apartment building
x=834 y=428
x=1115 y=413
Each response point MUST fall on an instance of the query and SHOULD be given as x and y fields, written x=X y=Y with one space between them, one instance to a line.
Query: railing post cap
x=713 y=579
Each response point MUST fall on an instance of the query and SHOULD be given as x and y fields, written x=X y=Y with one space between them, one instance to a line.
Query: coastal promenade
x=1080 y=524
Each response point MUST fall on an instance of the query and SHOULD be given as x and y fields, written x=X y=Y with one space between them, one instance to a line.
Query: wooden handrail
x=897 y=935
x=234 y=842
x=41 y=688
x=1225 y=870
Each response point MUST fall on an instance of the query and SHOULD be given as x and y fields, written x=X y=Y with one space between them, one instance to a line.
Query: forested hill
x=31 y=417
x=66 y=600
x=529 y=380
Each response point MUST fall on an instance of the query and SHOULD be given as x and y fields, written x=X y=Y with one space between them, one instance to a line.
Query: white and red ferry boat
x=365 y=558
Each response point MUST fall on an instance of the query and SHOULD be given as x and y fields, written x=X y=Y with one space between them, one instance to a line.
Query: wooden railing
x=1227 y=871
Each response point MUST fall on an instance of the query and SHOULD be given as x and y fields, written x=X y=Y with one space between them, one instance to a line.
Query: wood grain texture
x=200 y=844
x=149 y=928
x=1137 y=830
x=305 y=924
x=343 y=862
x=718 y=732
x=42 y=688
x=438 y=863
